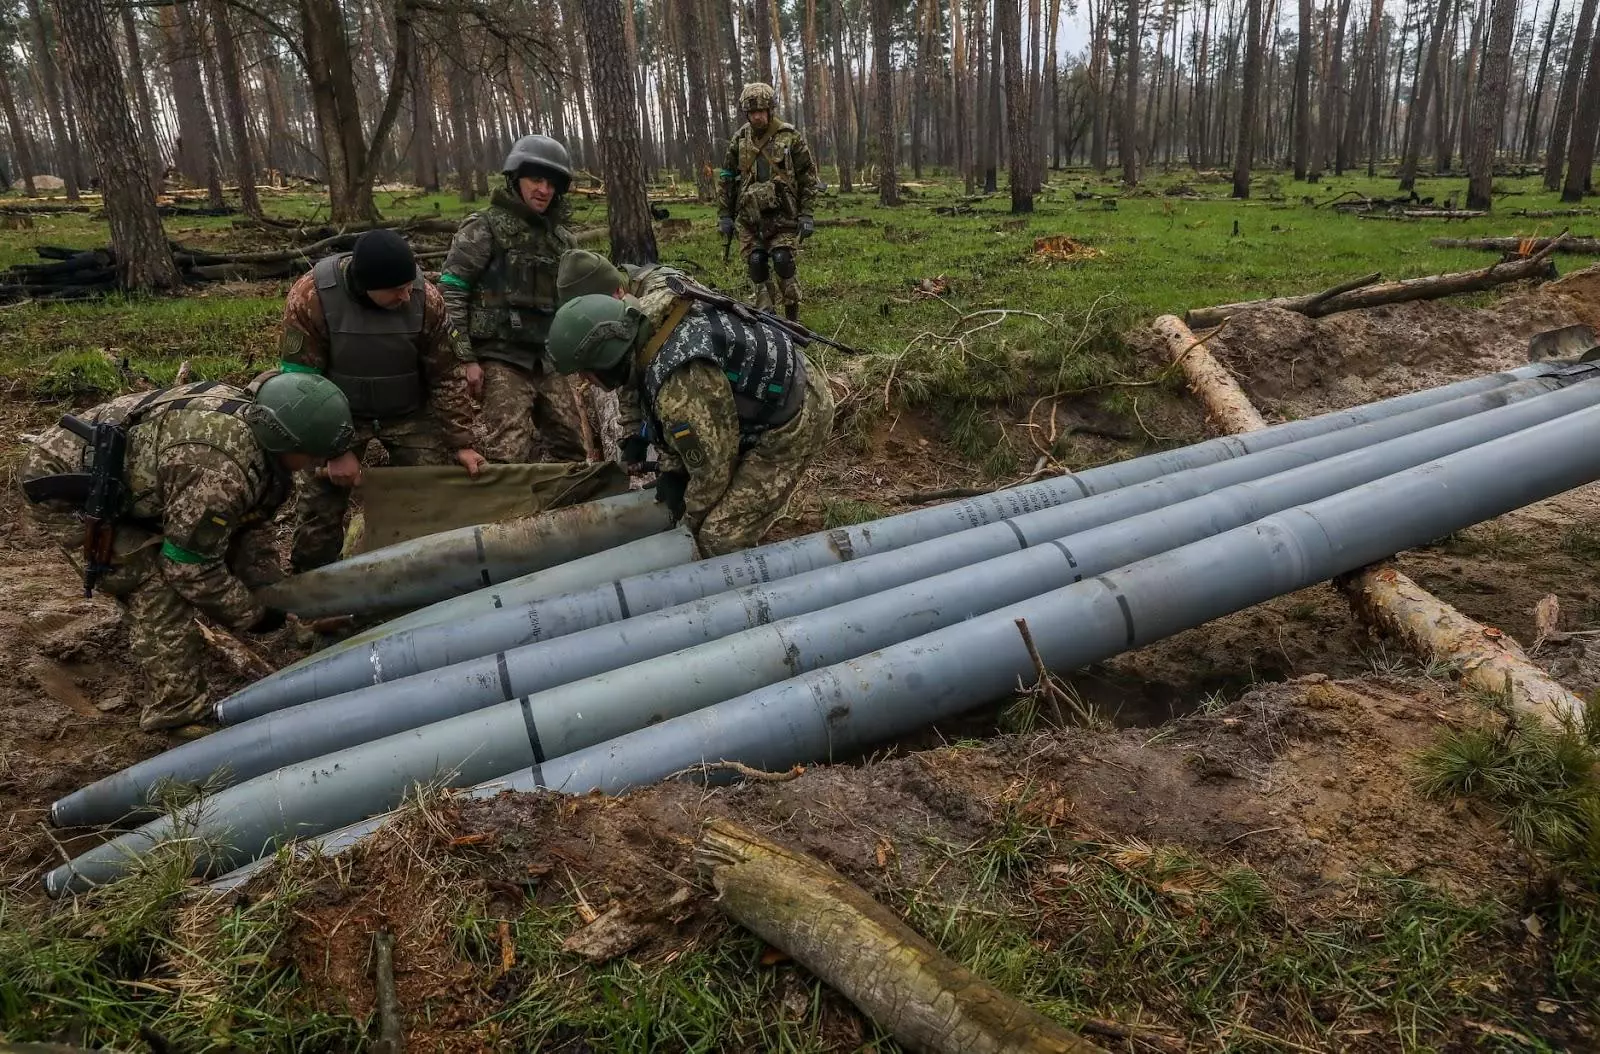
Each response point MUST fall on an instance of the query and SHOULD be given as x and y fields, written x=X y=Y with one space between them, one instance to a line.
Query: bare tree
x=699 y=136
x=883 y=80
x=1416 y=114
x=1488 y=110
x=633 y=238
x=141 y=95
x=66 y=146
x=1580 y=156
x=144 y=262
x=1567 y=100
x=233 y=101
x=762 y=11
x=1128 y=133
x=844 y=111
x=1008 y=23
x=19 y=132
x=1302 y=91
x=1245 y=154
x=1531 y=129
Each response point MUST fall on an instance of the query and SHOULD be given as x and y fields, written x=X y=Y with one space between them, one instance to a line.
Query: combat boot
x=791 y=312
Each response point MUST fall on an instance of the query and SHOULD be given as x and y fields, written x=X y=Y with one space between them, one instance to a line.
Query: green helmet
x=540 y=152
x=757 y=96
x=582 y=272
x=301 y=413
x=592 y=332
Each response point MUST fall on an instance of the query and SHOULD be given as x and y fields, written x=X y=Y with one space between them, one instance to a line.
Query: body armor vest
x=767 y=188
x=765 y=370
x=515 y=297
x=373 y=354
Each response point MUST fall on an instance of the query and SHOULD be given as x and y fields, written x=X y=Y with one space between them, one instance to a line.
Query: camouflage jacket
x=648 y=285
x=701 y=434
x=499 y=280
x=304 y=347
x=197 y=476
x=768 y=180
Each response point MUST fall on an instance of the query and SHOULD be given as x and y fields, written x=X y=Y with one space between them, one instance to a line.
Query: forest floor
x=1256 y=842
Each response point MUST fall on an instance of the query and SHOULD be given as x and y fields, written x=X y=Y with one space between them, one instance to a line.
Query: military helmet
x=592 y=332
x=757 y=96
x=301 y=413
x=582 y=272
x=541 y=152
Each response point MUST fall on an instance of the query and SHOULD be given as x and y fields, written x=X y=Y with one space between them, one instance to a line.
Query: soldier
x=206 y=467
x=768 y=182
x=733 y=405
x=369 y=322
x=500 y=282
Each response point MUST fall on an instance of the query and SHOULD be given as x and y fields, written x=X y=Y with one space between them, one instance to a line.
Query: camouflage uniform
x=427 y=437
x=196 y=537
x=499 y=281
x=768 y=183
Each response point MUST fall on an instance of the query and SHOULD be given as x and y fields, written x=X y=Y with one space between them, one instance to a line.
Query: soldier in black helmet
x=499 y=281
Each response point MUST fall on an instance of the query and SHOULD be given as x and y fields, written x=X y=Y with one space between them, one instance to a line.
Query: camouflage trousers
x=775 y=290
x=768 y=474
x=163 y=640
x=321 y=507
x=524 y=411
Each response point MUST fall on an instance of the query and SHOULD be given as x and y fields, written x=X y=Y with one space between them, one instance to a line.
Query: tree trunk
x=762 y=11
x=233 y=97
x=698 y=136
x=1099 y=53
x=66 y=149
x=1488 y=108
x=633 y=238
x=1302 y=91
x=958 y=62
x=812 y=95
x=859 y=947
x=1530 y=130
x=1567 y=98
x=1244 y=156
x=189 y=49
x=23 y=156
x=571 y=15
x=1331 y=133
x=1366 y=70
x=991 y=132
x=784 y=91
x=1032 y=88
x=883 y=81
x=1416 y=115
x=141 y=95
x=144 y=262
x=1225 y=402
x=1580 y=157
x=1128 y=134
x=1008 y=15
x=1049 y=131
x=1469 y=78
x=844 y=109
x=425 y=152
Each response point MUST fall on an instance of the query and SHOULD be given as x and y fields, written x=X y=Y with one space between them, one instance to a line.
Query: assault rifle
x=108 y=445
x=686 y=287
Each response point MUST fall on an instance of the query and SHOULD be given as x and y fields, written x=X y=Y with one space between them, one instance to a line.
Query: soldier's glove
x=670 y=490
x=271 y=620
x=631 y=452
x=725 y=226
x=808 y=226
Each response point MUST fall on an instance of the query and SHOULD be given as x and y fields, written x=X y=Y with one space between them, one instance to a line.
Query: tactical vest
x=145 y=420
x=764 y=368
x=515 y=297
x=373 y=353
x=766 y=176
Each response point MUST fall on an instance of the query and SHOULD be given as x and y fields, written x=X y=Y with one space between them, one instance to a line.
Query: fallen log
x=1224 y=400
x=1489 y=660
x=1545 y=214
x=1587 y=246
x=859 y=947
x=1316 y=305
x=1382 y=597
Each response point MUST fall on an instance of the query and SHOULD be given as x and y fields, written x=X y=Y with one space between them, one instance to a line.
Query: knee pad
x=757 y=262
x=783 y=261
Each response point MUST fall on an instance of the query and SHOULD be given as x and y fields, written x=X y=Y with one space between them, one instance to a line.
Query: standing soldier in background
x=368 y=321
x=500 y=283
x=203 y=469
x=768 y=182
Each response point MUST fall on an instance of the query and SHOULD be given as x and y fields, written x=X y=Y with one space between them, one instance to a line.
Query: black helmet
x=539 y=152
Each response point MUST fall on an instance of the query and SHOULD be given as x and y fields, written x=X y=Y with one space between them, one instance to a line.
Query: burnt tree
x=633 y=238
x=144 y=262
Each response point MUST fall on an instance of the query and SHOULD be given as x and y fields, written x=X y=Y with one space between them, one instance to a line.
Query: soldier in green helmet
x=733 y=405
x=768 y=183
x=499 y=281
x=206 y=468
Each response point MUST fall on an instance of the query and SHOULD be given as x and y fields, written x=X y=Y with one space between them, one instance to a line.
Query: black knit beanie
x=382 y=260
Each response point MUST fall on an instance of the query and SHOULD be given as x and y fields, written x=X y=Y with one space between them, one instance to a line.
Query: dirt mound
x=1298 y=366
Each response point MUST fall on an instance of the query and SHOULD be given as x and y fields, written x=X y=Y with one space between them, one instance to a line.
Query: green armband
x=296 y=367
x=179 y=555
x=455 y=282
x=727 y=175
